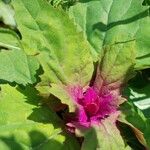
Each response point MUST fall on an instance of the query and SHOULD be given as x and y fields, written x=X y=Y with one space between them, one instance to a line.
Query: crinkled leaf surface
x=7 y=14
x=24 y=125
x=16 y=66
x=112 y=21
x=49 y=33
x=63 y=52
x=117 y=63
x=65 y=58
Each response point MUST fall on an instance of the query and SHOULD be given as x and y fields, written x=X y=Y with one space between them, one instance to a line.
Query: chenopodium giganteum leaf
x=65 y=57
x=15 y=65
x=109 y=22
x=25 y=126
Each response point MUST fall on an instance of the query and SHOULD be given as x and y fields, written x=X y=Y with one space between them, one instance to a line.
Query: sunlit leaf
x=26 y=125
x=115 y=22
x=7 y=14
x=16 y=66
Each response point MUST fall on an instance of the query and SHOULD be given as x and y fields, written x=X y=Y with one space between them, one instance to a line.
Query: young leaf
x=117 y=63
x=25 y=125
x=62 y=51
x=109 y=22
x=105 y=136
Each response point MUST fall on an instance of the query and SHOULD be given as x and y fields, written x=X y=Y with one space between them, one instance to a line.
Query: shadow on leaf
x=103 y=27
x=38 y=141
x=11 y=143
x=43 y=115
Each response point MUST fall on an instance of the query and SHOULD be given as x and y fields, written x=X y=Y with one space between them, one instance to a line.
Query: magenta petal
x=106 y=107
x=82 y=117
x=92 y=107
x=90 y=95
x=95 y=120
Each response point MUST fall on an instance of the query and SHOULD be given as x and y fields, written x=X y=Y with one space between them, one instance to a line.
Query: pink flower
x=92 y=106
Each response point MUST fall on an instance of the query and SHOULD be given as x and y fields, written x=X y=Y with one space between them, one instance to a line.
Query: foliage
x=51 y=49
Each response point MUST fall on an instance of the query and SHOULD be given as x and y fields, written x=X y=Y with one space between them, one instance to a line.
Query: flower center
x=91 y=109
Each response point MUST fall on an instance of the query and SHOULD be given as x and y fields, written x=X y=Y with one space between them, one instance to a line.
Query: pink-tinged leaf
x=115 y=66
x=104 y=136
x=83 y=117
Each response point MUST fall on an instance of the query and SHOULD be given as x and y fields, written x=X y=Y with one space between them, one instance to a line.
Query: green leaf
x=7 y=14
x=9 y=39
x=105 y=136
x=141 y=98
x=63 y=52
x=138 y=91
x=117 y=63
x=128 y=115
x=16 y=66
x=132 y=136
x=110 y=22
x=138 y=104
x=146 y=3
x=26 y=125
